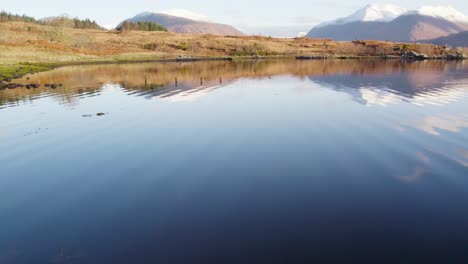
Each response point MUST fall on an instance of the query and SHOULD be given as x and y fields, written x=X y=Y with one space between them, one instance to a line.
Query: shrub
x=183 y=46
x=161 y=46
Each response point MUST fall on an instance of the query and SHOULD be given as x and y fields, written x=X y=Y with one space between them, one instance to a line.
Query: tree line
x=9 y=17
x=141 y=26
x=58 y=21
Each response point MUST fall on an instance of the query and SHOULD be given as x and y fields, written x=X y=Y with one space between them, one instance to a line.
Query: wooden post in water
x=146 y=82
x=176 y=83
x=220 y=80
x=201 y=80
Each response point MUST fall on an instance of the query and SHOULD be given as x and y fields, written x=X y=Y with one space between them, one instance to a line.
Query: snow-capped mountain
x=443 y=12
x=185 y=14
x=183 y=21
x=371 y=13
x=390 y=22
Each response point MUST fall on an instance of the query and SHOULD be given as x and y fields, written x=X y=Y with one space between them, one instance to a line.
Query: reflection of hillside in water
x=368 y=81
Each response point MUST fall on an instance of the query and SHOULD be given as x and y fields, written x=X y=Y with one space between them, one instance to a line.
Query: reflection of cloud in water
x=463 y=156
x=418 y=171
x=416 y=175
x=421 y=156
x=463 y=153
x=432 y=124
x=378 y=97
x=455 y=154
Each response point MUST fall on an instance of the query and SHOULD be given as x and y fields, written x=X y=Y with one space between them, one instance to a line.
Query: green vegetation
x=151 y=46
x=155 y=46
x=183 y=46
x=17 y=71
x=57 y=22
x=141 y=26
x=72 y=23
x=85 y=24
x=8 y=17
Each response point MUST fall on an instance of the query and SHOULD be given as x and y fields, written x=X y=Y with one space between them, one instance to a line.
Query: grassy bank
x=10 y=72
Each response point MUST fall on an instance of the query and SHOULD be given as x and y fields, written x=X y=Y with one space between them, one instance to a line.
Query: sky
x=263 y=17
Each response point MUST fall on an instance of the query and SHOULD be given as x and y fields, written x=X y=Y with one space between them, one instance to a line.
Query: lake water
x=237 y=162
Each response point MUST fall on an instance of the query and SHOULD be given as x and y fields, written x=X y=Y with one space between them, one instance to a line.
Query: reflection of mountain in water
x=420 y=85
x=369 y=82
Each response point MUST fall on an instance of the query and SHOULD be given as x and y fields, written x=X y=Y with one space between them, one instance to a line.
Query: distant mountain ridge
x=454 y=40
x=186 y=25
x=393 y=23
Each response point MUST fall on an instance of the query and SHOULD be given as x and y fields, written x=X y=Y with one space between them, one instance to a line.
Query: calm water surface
x=249 y=162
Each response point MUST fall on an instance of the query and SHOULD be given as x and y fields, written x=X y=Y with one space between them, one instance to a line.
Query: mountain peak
x=185 y=14
x=371 y=13
x=445 y=12
x=181 y=13
x=379 y=12
x=183 y=21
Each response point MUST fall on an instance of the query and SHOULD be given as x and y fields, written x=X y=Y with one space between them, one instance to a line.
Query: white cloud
x=432 y=124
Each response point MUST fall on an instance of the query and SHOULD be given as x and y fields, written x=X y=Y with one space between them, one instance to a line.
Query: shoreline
x=10 y=72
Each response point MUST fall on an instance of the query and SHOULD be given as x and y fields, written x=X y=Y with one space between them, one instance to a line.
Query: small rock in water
x=100 y=114
x=86 y=115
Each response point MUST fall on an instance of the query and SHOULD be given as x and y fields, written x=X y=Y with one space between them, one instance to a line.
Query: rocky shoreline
x=409 y=55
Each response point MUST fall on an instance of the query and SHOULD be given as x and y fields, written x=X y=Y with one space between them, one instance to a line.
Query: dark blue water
x=257 y=162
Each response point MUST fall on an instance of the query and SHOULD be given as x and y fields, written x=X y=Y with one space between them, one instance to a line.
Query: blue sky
x=265 y=17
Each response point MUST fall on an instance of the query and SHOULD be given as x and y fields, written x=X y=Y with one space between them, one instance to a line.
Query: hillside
x=454 y=40
x=24 y=42
x=184 y=25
